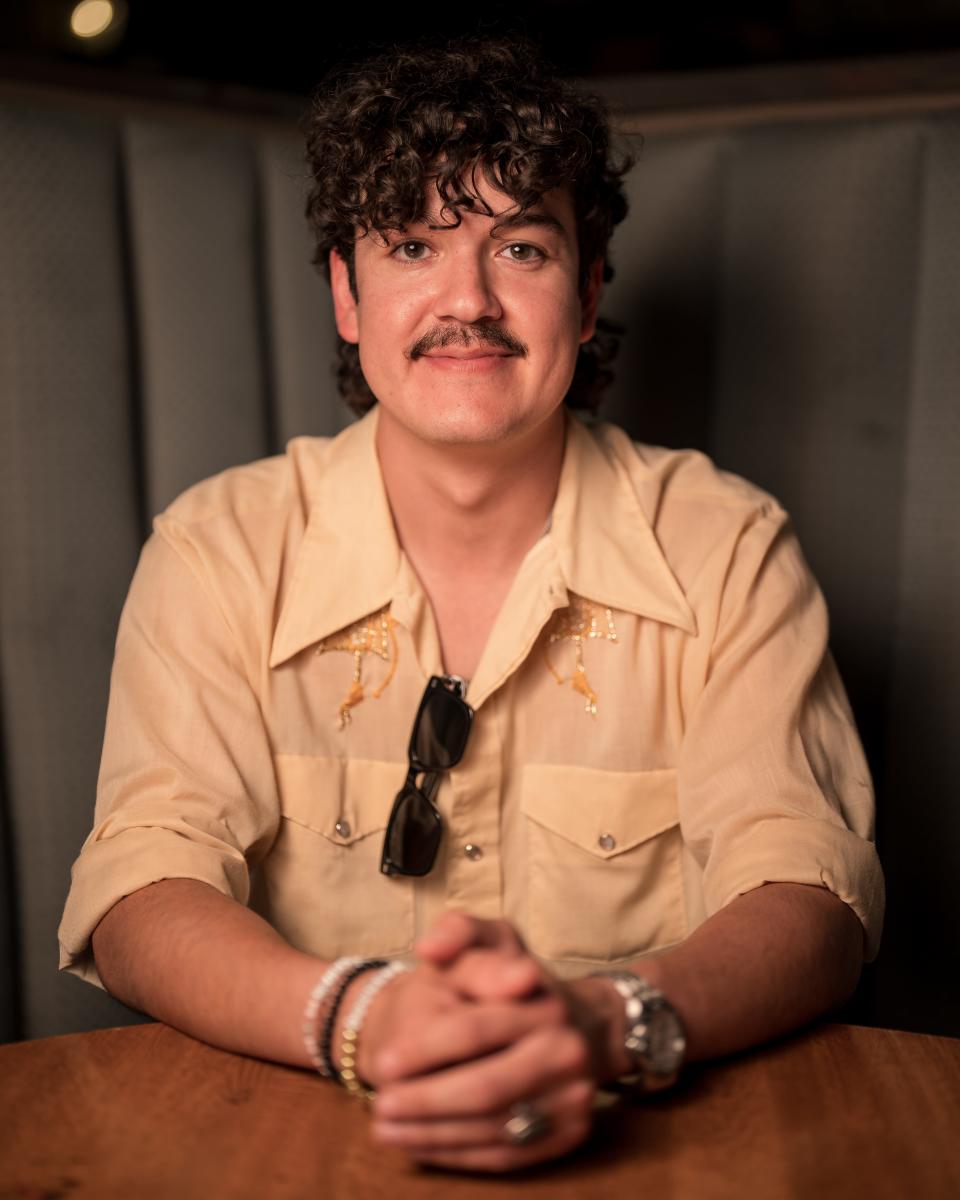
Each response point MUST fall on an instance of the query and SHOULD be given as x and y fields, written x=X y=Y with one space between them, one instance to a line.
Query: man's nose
x=466 y=291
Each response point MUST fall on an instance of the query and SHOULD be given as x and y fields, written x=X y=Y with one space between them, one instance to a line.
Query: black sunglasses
x=437 y=743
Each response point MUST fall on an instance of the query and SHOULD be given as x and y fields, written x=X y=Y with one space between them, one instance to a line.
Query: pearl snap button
x=606 y=841
x=343 y=828
x=472 y=851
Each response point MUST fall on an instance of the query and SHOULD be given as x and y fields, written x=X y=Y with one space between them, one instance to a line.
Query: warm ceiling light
x=90 y=18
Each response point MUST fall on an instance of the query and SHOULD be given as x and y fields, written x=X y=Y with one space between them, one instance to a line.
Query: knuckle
x=475 y=1024
x=458 y=922
x=476 y=961
x=469 y=973
x=554 y=1011
x=526 y=974
x=486 y=1096
x=581 y=1095
x=543 y=1045
x=507 y=937
x=385 y=1065
x=572 y=1054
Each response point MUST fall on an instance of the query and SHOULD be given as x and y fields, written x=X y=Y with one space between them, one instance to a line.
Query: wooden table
x=145 y=1112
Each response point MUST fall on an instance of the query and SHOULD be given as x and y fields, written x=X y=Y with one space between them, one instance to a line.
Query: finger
x=499 y=1159
x=467 y=1033
x=489 y=974
x=542 y=1060
x=398 y=1014
x=563 y=1107
x=504 y=1157
x=455 y=932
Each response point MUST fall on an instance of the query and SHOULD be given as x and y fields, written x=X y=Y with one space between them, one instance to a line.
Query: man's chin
x=462 y=424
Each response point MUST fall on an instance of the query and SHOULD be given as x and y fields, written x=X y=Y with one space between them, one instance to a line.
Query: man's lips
x=469 y=355
x=467 y=362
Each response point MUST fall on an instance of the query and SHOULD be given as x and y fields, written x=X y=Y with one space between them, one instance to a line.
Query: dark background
x=285 y=45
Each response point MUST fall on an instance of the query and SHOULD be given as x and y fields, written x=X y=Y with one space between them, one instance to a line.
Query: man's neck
x=470 y=511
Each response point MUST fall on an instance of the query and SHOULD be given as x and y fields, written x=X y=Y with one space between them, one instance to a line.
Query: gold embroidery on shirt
x=579 y=622
x=370 y=635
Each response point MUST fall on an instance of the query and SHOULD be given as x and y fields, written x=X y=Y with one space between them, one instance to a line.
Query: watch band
x=654 y=1037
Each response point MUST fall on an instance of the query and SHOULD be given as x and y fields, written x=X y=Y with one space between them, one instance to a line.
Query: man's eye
x=410 y=251
x=521 y=252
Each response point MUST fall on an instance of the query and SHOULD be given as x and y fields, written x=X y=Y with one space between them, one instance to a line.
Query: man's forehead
x=552 y=212
x=477 y=193
x=503 y=221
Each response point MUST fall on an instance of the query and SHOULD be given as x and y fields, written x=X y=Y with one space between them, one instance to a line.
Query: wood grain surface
x=145 y=1112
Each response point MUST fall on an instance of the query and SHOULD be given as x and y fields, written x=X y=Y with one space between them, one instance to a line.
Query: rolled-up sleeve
x=186 y=787
x=773 y=783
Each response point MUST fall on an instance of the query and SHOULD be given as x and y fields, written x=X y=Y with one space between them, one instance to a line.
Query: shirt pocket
x=323 y=886
x=604 y=875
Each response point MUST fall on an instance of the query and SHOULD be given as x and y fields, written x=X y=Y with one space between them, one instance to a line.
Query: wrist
x=600 y=1014
x=321 y=1008
x=347 y=1002
x=360 y=1011
x=654 y=1037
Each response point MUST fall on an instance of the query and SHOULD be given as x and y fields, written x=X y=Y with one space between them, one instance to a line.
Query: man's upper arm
x=773 y=783
x=186 y=785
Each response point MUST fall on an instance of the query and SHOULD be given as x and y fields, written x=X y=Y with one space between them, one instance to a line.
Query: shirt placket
x=474 y=866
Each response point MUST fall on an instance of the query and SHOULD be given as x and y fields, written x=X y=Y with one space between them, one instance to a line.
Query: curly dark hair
x=378 y=132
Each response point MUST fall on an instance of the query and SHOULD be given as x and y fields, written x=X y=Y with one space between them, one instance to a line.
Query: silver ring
x=527 y=1123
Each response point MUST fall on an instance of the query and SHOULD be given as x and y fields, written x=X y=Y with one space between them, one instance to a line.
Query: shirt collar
x=604 y=545
x=349 y=560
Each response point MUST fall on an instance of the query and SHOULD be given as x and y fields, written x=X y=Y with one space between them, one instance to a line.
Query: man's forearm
x=768 y=962
x=190 y=956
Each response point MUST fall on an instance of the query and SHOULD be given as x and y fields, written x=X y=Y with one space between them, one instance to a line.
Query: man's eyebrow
x=512 y=221
x=520 y=220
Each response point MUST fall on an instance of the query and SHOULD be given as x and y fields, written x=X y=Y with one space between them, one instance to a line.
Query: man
x=646 y=838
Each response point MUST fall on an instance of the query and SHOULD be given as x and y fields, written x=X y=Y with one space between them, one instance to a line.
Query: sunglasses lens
x=413 y=835
x=439 y=738
x=441 y=734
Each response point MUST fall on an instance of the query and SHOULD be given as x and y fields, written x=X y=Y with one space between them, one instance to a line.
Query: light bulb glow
x=90 y=18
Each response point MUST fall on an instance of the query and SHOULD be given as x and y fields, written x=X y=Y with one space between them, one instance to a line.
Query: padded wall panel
x=301 y=329
x=199 y=300
x=815 y=341
x=664 y=291
x=69 y=531
x=920 y=824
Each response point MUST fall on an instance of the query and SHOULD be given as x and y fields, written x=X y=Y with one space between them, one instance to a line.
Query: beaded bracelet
x=316 y=998
x=351 y=1031
x=330 y=1020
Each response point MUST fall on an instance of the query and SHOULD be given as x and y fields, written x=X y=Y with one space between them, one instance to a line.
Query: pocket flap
x=322 y=793
x=602 y=812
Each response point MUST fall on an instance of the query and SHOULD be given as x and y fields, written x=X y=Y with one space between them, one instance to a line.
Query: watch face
x=666 y=1041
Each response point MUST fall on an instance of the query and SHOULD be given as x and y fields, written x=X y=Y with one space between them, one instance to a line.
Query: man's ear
x=344 y=305
x=590 y=301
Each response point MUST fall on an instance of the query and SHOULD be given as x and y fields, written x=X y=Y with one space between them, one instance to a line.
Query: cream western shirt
x=659 y=726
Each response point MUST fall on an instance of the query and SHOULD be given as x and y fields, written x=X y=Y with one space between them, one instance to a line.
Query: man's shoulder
x=704 y=519
x=268 y=488
x=684 y=478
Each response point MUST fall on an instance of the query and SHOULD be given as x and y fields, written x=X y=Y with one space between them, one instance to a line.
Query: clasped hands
x=478 y=1027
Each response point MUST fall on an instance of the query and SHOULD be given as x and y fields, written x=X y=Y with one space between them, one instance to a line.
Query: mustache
x=484 y=333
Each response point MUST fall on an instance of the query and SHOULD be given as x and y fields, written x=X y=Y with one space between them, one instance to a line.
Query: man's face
x=469 y=334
